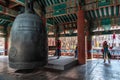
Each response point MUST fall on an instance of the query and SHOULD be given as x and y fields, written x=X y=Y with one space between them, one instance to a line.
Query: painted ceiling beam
x=65 y=18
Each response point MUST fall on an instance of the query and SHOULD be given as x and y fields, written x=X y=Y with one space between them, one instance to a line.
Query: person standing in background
x=106 y=53
x=76 y=52
x=58 y=48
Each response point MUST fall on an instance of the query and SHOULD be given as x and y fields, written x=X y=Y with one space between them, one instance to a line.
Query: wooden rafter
x=2 y=2
x=17 y=2
x=11 y=6
x=5 y=13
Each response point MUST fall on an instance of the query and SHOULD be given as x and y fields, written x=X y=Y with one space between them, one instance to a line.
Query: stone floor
x=93 y=70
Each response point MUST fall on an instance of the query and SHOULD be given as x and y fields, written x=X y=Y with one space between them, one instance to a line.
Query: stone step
x=63 y=63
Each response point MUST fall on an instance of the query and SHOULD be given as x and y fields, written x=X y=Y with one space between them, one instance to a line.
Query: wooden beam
x=62 y=15
x=38 y=11
x=9 y=12
x=69 y=23
x=17 y=2
x=99 y=7
x=11 y=6
x=2 y=2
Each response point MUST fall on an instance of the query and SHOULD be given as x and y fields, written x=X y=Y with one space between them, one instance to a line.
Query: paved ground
x=93 y=70
x=63 y=63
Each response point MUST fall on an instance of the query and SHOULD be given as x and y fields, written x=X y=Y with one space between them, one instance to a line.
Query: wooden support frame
x=12 y=6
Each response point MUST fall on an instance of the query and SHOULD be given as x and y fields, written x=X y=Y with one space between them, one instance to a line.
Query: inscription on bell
x=13 y=52
x=27 y=28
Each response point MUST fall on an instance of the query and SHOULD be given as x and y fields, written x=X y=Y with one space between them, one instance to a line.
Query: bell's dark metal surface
x=28 y=41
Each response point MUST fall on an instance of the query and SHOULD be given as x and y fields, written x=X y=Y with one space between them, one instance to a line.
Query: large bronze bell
x=28 y=41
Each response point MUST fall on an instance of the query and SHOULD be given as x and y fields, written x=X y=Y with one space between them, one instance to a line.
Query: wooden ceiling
x=9 y=9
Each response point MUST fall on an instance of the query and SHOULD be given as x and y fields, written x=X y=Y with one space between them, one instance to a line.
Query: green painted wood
x=82 y=2
x=64 y=17
x=106 y=32
x=98 y=14
x=50 y=21
x=59 y=9
x=102 y=10
x=117 y=10
x=106 y=21
x=95 y=25
x=106 y=27
x=112 y=11
x=118 y=21
x=93 y=12
x=102 y=32
x=69 y=35
x=1 y=21
x=47 y=3
x=5 y=17
x=103 y=2
x=1 y=8
x=56 y=1
x=10 y=24
x=51 y=1
x=89 y=14
x=21 y=1
x=107 y=11
x=113 y=21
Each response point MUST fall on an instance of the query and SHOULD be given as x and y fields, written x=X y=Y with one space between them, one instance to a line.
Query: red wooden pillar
x=6 y=45
x=44 y=21
x=6 y=41
x=81 y=37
